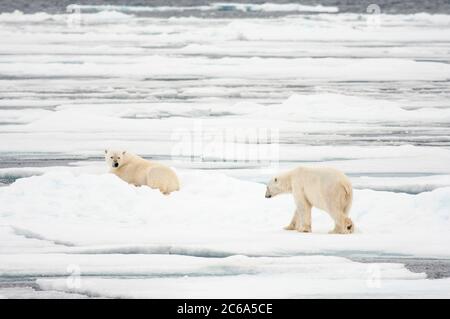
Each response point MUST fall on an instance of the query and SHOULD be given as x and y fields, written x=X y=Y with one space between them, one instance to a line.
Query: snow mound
x=350 y=108
x=19 y=16
x=213 y=215
x=247 y=286
x=92 y=18
x=157 y=276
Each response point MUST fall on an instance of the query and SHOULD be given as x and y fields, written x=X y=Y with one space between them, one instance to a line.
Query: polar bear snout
x=268 y=195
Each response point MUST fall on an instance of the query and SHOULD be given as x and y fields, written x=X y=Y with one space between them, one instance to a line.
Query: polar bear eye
x=118 y=158
x=276 y=180
x=111 y=157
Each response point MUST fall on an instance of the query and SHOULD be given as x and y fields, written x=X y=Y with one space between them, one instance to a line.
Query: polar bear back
x=323 y=187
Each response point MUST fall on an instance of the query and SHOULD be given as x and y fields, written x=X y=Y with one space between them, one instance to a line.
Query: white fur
x=138 y=171
x=325 y=188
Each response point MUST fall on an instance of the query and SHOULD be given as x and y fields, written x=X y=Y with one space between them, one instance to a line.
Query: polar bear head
x=115 y=159
x=278 y=185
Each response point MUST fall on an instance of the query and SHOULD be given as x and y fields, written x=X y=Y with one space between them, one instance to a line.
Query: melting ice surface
x=368 y=96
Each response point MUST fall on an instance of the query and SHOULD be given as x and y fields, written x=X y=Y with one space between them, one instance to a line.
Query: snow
x=30 y=293
x=174 y=276
x=234 y=67
x=414 y=185
x=351 y=109
x=229 y=218
x=172 y=265
x=246 y=286
x=171 y=276
x=371 y=100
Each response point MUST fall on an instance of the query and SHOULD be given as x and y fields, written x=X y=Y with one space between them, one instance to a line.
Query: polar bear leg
x=338 y=218
x=305 y=221
x=157 y=179
x=152 y=182
x=294 y=222
x=304 y=212
x=343 y=224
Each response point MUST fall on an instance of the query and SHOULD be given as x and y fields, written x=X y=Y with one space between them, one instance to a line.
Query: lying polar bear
x=138 y=171
x=325 y=188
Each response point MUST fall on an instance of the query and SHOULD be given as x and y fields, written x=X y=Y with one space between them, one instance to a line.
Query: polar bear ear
x=106 y=151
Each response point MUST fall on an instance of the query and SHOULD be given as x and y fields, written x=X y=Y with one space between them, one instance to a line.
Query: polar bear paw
x=304 y=229
x=348 y=230
x=289 y=227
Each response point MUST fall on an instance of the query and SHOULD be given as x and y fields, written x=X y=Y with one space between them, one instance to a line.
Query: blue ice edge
x=202 y=252
x=217 y=253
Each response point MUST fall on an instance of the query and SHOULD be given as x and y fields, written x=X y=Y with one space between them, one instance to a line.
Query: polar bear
x=138 y=171
x=325 y=188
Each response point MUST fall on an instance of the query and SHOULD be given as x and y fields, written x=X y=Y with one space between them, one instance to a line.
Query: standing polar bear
x=138 y=171
x=325 y=188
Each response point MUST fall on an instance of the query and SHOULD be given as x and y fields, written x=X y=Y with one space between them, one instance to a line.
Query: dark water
x=355 y=6
x=434 y=268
